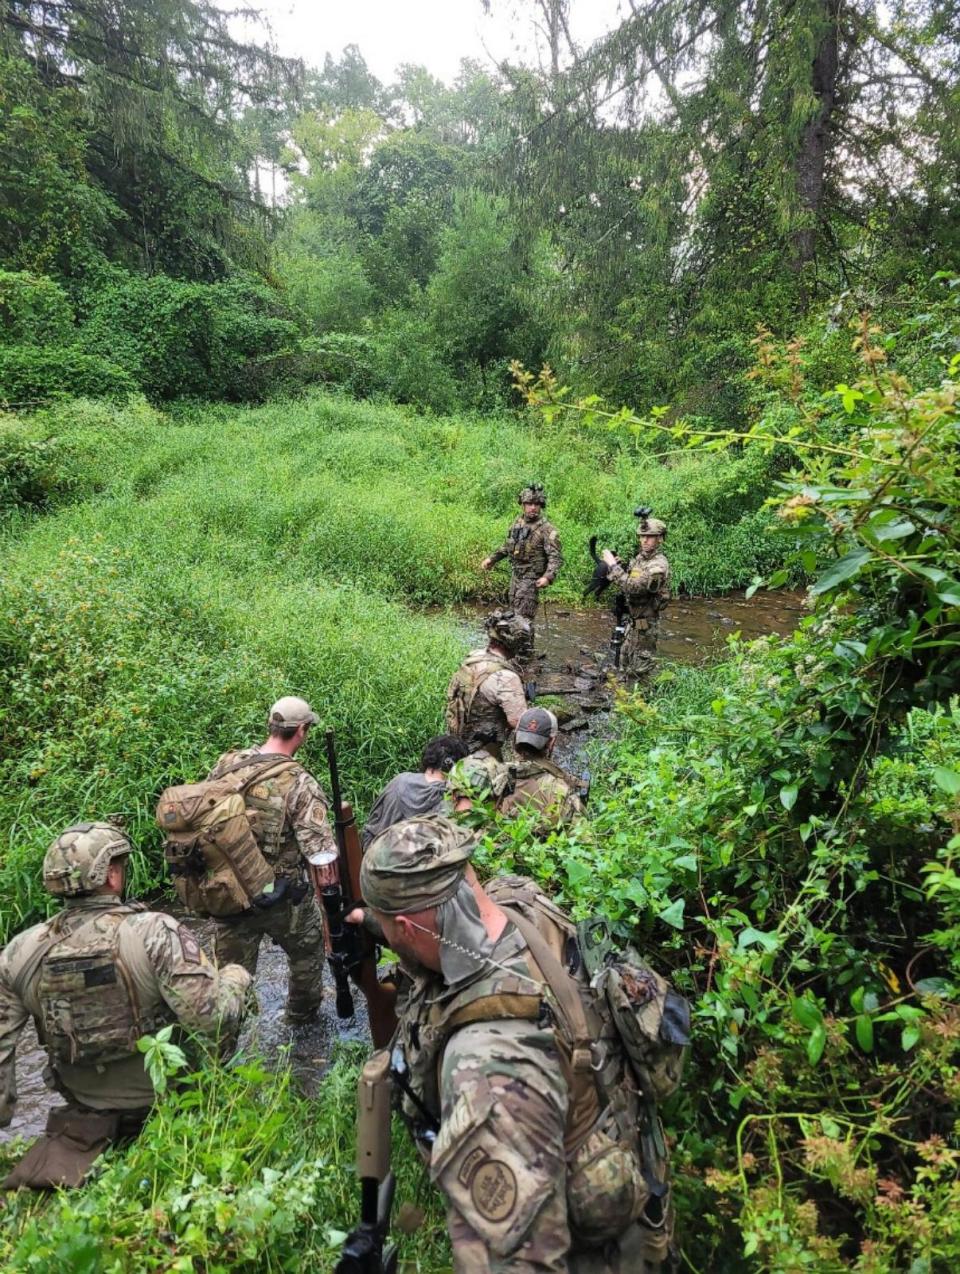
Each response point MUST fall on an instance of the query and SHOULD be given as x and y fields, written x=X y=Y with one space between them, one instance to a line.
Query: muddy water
x=694 y=629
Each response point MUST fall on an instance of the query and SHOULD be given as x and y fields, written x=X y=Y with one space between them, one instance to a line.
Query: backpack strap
x=261 y=763
x=496 y=1008
x=575 y=1053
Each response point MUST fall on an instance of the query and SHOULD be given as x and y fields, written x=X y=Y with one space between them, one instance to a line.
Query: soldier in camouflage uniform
x=645 y=583
x=542 y=1168
x=289 y=820
x=95 y=978
x=485 y=696
x=533 y=547
x=537 y=782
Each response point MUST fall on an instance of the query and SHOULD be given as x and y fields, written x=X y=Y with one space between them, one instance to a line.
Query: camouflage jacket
x=288 y=814
x=543 y=786
x=131 y=970
x=531 y=1159
x=485 y=699
x=533 y=549
x=645 y=583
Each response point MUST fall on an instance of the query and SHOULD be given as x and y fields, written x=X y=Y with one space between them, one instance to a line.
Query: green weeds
x=233 y=1171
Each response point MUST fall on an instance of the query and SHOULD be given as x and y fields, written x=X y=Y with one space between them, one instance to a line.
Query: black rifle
x=344 y=947
x=365 y=1251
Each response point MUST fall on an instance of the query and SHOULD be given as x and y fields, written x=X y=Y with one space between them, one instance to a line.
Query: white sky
x=432 y=33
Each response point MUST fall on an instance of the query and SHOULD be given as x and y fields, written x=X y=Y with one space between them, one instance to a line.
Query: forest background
x=741 y=220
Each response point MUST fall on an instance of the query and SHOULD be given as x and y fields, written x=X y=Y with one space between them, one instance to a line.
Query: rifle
x=365 y=1252
x=353 y=954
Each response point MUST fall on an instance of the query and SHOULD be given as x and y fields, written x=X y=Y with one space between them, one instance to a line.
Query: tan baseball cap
x=291 y=711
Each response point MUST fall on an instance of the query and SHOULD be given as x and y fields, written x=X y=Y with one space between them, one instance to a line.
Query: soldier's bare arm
x=205 y=999
x=13 y=1018
x=499 y=1156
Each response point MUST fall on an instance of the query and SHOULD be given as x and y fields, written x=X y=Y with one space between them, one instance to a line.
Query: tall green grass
x=405 y=504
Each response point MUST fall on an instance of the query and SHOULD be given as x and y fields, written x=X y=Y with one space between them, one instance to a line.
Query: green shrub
x=199 y=340
x=30 y=375
x=234 y=1170
x=34 y=310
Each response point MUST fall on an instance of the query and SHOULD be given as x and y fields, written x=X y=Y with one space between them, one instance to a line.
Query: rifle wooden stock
x=380 y=998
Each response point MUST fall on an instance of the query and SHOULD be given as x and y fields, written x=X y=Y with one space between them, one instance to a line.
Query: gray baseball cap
x=537 y=726
x=291 y=711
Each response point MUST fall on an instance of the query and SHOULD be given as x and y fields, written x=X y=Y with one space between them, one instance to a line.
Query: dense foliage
x=735 y=209
x=235 y=1170
x=628 y=212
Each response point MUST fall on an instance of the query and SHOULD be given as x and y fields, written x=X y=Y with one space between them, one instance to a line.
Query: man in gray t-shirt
x=412 y=793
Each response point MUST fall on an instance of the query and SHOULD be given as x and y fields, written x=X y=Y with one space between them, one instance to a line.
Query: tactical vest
x=617 y=1166
x=469 y=717
x=89 y=1014
x=266 y=801
x=526 y=790
x=526 y=550
x=648 y=605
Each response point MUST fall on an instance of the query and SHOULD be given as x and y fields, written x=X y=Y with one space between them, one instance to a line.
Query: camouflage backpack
x=88 y=1010
x=218 y=868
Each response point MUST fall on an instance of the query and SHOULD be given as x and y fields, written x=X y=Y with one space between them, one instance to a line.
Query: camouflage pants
x=525 y=598
x=638 y=657
x=298 y=930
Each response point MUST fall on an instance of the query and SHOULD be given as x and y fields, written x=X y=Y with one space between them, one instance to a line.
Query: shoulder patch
x=190 y=947
x=493 y=1190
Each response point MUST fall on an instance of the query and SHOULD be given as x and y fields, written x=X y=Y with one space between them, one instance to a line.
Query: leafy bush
x=180 y=339
x=34 y=310
x=234 y=1170
x=30 y=375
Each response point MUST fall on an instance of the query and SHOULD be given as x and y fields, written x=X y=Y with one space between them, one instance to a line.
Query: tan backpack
x=218 y=868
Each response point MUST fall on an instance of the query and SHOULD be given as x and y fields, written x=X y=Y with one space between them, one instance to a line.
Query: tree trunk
x=815 y=138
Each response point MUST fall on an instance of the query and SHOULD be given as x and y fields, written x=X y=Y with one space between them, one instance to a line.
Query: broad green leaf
x=890 y=530
x=788 y=796
x=934 y=986
x=806 y=1012
x=688 y=862
x=843 y=569
x=673 y=915
x=864 y=1032
x=948 y=780
x=908 y=1037
x=754 y=937
x=816 y=1044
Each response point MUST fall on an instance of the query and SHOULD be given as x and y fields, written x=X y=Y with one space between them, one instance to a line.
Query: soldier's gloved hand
x=281 y=887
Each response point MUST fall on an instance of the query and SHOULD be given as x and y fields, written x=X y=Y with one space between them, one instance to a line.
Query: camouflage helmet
x=78 y=860
x=415 y=864
x=648 y=525
x=533 y=494
x=507 y=629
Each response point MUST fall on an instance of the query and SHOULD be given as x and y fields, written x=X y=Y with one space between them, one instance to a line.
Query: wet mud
x=693 y=630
